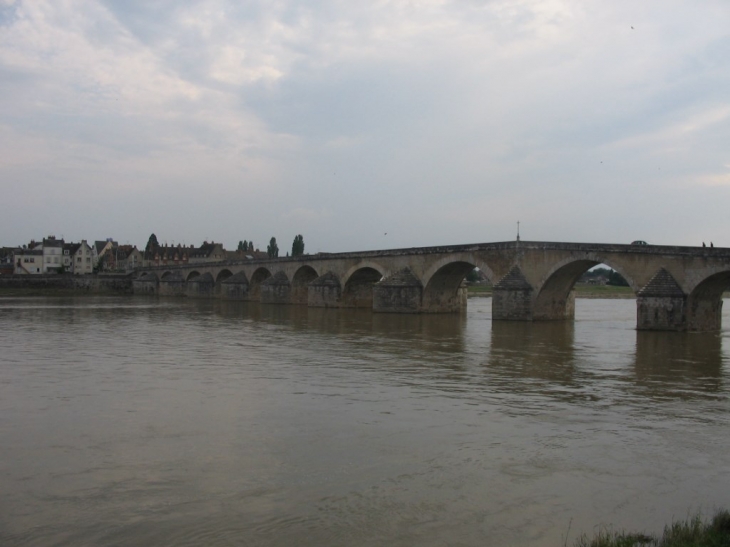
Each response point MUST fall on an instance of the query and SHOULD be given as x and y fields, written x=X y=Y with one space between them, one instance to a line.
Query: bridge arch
x=222 y=275
x=443 y=291
x=254 y=284
x=357 y=286
x=554 y=298
x=468 y=258
x=165 y=275
x=300 y=284
x=192 y=275
x=704 y=301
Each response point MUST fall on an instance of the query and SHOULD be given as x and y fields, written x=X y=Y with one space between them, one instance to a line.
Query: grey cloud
x=446 y=122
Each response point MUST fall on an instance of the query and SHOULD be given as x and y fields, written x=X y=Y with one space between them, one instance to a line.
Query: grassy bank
x=693 y=532
x=581 y=291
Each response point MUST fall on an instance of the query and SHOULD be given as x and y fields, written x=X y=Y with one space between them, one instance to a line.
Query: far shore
x=581 y=291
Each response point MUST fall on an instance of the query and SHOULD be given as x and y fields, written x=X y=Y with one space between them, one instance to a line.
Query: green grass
x=603 y=291
x=479 y=290
x=693 y=532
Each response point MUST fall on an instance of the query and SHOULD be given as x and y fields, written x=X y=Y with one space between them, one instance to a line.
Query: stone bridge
x=677 y=288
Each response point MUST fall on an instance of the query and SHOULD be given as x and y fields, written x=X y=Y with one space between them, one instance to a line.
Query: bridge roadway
x=677 y=288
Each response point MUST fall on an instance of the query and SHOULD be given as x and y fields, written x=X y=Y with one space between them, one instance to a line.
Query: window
x=78 y=259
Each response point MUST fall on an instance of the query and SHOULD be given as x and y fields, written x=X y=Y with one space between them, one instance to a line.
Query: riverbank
x=693 y=532
x=64 y=285
x=581 y=291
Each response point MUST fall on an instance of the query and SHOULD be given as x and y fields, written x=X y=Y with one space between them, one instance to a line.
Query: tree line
x=612 y=276
x=297 y=247
x=272 y=250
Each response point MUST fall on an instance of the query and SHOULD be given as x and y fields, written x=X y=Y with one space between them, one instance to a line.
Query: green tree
x=616 y=279
x=250 y=246
x=273 y=249
x=152 y=244
x=102 y=264
x=473 y=276
x=297 y=247
x=243 y=245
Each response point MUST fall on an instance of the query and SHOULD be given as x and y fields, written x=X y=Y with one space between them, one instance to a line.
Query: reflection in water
x=678 y=364
x=129 y=421
x=439 y=332
x=540 y=351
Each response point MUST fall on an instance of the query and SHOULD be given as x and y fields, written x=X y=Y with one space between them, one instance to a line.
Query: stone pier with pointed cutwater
x=512 y=297
x=147 y=283
x=201 y=286
x=398 y=293
x=235 y=287
x=325 y=291
x=276 y=289
x=661 y=304
x=172 y=285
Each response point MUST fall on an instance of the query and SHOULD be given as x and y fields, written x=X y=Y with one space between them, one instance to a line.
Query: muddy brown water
x=126 y=421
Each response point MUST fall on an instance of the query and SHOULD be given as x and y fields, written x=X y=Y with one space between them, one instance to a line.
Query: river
x=135 y=422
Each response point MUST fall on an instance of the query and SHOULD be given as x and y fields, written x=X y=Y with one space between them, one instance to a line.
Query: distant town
x=52 y=255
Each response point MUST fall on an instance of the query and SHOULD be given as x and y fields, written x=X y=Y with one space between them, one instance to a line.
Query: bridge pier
x=172 y=285
x=325 y=292
x=201 y=286
x=399 y=293
x=235 y=287
x=661 y=313
x=512 y=298
x=276 y=289
x=145 y=284
x=661 y=304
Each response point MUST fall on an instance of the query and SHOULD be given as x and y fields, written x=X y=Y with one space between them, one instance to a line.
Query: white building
x=28 y=261
x=81 y=258
x=52 y=254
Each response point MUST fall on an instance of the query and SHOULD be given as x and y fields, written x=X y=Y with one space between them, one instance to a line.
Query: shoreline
x=581 y=291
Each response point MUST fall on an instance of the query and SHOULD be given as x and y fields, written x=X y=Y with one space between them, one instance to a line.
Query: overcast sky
x=435 y=122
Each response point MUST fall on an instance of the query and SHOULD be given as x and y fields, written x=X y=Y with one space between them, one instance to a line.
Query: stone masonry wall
x=512 y=304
